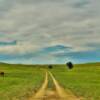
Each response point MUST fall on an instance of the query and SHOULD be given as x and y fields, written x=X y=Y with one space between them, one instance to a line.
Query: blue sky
x=49 y=31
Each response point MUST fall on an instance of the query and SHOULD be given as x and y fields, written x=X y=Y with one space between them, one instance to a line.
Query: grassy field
x=83 y=80
x=19 y=81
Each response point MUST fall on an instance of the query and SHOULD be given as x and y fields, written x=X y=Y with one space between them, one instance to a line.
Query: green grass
x=19 y=81
x=83 y=80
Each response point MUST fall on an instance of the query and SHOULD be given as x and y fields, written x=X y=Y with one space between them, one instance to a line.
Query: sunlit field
x=83 y=80
x=19 y=81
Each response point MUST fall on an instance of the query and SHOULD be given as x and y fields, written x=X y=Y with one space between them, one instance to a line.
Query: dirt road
x=64 y=95
x=41 y=92
x=56 y=93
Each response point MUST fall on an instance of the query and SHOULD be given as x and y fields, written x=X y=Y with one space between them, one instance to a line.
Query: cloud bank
x=49 y=31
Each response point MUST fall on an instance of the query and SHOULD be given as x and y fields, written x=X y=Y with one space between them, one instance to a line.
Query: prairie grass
x=83 y=80
x=19 y=82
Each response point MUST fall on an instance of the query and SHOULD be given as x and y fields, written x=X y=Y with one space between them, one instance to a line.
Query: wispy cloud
x=8 y=43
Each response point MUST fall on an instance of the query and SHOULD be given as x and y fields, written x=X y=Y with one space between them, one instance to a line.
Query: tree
x=70 y=65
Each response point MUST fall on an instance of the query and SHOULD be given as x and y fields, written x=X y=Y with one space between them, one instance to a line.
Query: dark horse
x=2 y=74
x=50 y=66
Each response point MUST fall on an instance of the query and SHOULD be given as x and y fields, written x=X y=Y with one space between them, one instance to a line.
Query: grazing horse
x=2 y=74
x=50 y=66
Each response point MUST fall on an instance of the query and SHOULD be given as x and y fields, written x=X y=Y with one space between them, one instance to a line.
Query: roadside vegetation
x=83 y=80
x=19 y=81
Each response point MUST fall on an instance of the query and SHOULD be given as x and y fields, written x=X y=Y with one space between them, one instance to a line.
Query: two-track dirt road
x=53 y=94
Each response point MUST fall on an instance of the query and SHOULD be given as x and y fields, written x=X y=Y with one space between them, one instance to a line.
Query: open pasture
x=19 y=81
x=22 y=81
x=83 y=80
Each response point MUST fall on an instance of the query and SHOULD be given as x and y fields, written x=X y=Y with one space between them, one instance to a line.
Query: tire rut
x=58 y=93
